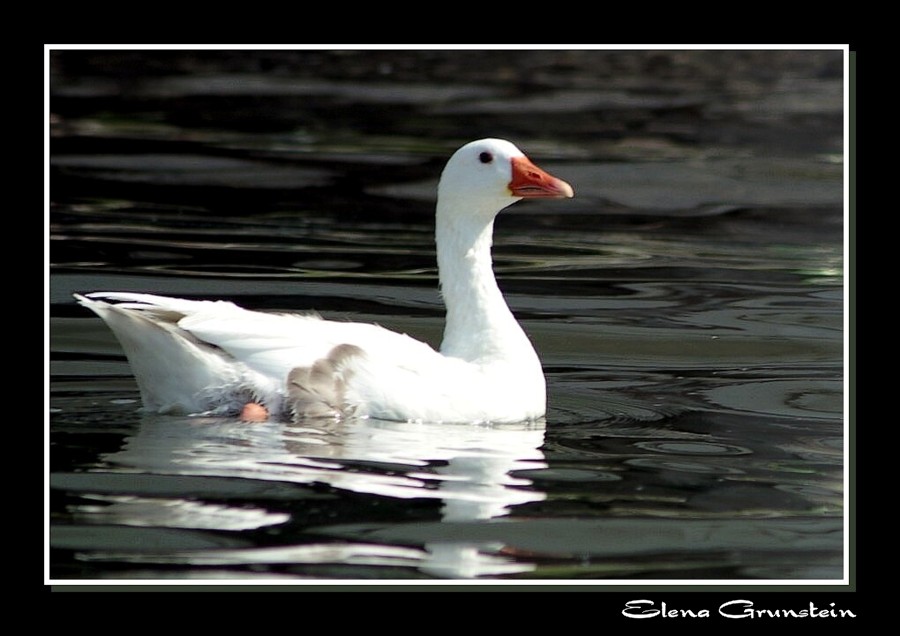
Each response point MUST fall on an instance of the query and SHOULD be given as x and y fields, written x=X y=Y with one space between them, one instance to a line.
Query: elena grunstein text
x=738 y=608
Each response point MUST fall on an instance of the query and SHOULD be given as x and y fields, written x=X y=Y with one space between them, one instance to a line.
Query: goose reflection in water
x=471 y=469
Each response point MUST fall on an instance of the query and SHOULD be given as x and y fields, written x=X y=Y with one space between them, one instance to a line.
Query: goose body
x=212 y=356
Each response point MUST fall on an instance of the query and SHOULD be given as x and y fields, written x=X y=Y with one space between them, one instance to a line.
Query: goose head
x=487 y=175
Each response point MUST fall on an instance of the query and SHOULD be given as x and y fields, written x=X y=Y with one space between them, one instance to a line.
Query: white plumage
x=213 y=356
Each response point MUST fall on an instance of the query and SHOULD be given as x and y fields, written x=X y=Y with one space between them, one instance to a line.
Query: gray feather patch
x=318 y=391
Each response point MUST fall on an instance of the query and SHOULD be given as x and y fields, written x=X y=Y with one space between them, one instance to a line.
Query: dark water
x=687 y=306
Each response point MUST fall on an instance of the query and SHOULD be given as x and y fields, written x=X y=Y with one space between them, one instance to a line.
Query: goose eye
x=485 y=157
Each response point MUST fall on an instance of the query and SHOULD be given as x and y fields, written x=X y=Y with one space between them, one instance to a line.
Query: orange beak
x=530 y=181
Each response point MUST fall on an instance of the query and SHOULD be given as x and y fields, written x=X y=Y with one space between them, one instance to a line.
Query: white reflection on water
x=173 y=513
x=468 y=467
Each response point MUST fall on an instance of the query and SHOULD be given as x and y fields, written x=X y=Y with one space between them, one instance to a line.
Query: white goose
x=213 y=356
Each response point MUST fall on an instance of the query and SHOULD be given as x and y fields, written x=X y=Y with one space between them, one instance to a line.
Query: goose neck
x=479 y=323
